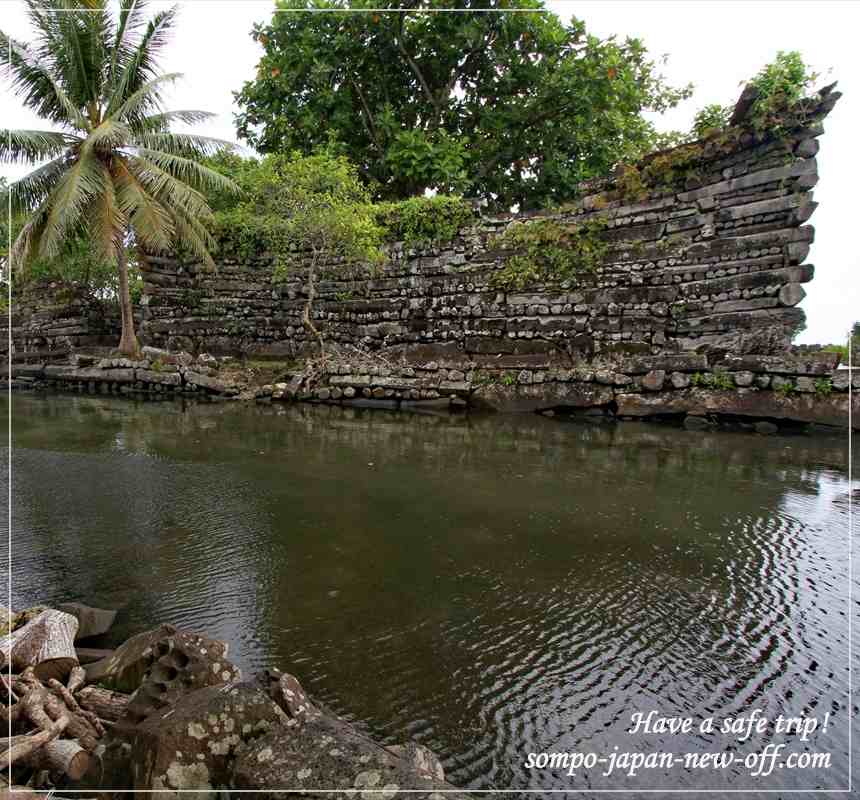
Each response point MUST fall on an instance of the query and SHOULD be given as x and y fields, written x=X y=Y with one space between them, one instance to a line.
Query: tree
x=115 y=173
x=312 y=213
x=513 y=107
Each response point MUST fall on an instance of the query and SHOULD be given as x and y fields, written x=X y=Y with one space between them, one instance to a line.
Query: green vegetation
x=786 y=389
x=116 y=173
x=842 y=349
x=782 y=85
x=512 y=108
x=312 y=214
x=823 y=387
x=421 y=220
x=254 y=224
x=712 y=380
x=548 y=251
x=713 y=117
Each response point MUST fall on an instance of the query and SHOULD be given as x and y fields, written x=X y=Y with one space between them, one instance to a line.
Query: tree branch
x=398 y=38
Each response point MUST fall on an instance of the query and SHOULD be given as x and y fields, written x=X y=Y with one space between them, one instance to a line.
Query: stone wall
x=690 y=313
x=715 y=264
x=50 y=320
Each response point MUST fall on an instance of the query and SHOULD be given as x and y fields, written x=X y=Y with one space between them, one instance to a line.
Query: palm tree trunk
x=128 y=344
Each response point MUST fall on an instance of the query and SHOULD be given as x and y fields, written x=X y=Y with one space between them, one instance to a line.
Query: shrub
x=421 y=220
x=548 y=251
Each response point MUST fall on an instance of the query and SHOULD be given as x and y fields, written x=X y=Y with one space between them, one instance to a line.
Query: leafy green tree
x=115 y=173
x=712 y=117
x=516 y=108
x=313 y=213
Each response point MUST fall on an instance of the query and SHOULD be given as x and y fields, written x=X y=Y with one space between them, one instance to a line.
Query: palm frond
x=160 y=123
x=187 y=145
x=34 y=145
x=129 y=24
x=190 y=172
x=105 y=221
x=31 y=191
x=78 y=186
x=141 y=63
x=152 y=223
x=168 y=190
x=26 y=244
x=145 y=99
x=77 y=45
x=193 y=236
x=31 y=77
x=108 y=136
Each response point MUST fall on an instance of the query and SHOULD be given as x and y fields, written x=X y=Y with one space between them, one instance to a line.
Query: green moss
x=547 y=250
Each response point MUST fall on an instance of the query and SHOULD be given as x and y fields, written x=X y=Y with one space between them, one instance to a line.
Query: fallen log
x=61 y=757
x=43 y=707
x=20 y=747
x=104 y=703
x=91 y=621
x=46 y=643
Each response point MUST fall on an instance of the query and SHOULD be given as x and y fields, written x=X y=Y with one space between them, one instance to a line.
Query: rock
x=743 y=378
x=679 y=380
x=204 y=359
x=424 y=761
x=804 y=384
x=325 y=753
x=791 y=294
x=212 y=384
x=695 y=423
x=157 y=376
x=91 y=621
x=762 y=381
x=840 y=379
x=191 y=745
x=654 y=380
x=163 y=663
x=766 y=428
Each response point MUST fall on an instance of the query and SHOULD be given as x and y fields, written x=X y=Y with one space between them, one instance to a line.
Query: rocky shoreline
x=167 y=711
x=764 y=394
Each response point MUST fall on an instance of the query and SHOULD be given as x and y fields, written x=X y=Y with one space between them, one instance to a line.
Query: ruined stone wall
x=51 y=319
x=713 y=263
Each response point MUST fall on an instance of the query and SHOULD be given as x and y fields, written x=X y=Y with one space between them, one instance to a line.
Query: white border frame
x=429 y=791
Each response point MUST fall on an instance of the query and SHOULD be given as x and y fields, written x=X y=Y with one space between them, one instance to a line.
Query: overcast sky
x=716 y=45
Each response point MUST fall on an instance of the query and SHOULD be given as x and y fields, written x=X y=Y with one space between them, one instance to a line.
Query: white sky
x=716 y=45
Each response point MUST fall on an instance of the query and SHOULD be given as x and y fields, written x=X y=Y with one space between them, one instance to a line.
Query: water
x=488 y=586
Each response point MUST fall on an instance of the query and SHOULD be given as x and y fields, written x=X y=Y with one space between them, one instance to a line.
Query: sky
x=716 y=45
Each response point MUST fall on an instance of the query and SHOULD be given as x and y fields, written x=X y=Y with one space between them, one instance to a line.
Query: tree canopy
x=514 y=107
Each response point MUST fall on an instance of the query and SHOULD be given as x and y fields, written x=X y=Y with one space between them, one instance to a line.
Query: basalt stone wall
x=50 y=320
x=712 y=264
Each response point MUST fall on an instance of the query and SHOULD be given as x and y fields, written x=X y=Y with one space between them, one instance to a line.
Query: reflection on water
x=489 y=586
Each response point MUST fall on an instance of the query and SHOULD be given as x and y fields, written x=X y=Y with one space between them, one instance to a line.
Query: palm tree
x=115 y=173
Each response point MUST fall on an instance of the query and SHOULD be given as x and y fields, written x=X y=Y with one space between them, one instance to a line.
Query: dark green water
x=489 y=586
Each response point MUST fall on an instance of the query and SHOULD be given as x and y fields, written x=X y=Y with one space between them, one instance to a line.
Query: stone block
x=654 y=380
